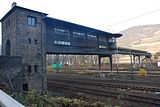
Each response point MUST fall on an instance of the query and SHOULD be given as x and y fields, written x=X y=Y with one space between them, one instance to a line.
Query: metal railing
x=7 y=101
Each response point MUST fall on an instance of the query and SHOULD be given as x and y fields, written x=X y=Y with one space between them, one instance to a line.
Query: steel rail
x=111 y=84
x=132 y=96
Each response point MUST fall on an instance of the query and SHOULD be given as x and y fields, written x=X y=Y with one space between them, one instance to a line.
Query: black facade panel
x=68 y=38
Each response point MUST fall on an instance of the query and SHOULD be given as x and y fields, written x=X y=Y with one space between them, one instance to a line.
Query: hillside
x=145 y=37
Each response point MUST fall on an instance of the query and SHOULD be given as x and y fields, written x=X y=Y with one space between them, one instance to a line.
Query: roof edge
x=117 y=35
x=15 y=7
x=93 y=29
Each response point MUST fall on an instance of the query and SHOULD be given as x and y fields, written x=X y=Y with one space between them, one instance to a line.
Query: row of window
x=32 y=22
x=81 y=35
x=68 y=43
x=92 y=37
x=62 y=43
x=102 y=46
x=78 y=35
x=30 y=41
x=113 y=39
x=67 y=33
x=30 y=68
x=61 y=31
x=75 y=34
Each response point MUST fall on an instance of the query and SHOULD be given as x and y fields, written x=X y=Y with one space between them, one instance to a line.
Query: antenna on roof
x=14 y=4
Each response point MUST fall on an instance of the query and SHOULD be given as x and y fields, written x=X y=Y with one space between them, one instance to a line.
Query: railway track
x=111 y=78
x=142 y=91
x=113 y=85
x=131 y=85
x=99 y=91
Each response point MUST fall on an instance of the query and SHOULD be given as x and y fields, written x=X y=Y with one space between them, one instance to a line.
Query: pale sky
x=99 y=14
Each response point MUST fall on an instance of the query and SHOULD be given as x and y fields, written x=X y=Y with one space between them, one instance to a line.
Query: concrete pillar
x=111 y=66
x=134 y=59
x=99 y=62
x=131 y=67
x=139 y=60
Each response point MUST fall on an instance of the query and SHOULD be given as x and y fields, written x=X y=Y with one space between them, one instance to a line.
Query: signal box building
x=31 y=35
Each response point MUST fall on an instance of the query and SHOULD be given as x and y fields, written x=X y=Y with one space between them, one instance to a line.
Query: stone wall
x=27 y=42
x=11 y=72
x=33 y=54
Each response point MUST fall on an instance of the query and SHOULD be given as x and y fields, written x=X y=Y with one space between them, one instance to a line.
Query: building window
x=29 y=41
x=29 y=69
x=8 y=47
x=35 y=41
x=31 y=21
x=62 y=43
x=102 y=46
x=113 y=39
x=78 y=35
x=35 y=68
x=91 y=37
x=61 y=31
x=102 y=38
x=8 y=22
x=25 y=87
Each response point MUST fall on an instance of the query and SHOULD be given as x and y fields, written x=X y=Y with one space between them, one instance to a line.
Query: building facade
x=23 y=34
x=11 y=73
x=31 y=35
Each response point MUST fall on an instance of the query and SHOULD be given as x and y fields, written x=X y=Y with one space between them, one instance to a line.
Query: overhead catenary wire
x=133 y=18
x=127 y=20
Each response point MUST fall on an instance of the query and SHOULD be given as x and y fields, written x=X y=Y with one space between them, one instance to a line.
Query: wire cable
x=133 y=18
x=124 y=21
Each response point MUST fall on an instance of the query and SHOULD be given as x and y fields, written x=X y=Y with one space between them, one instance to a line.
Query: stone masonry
x=11 y=72
x=28 y=42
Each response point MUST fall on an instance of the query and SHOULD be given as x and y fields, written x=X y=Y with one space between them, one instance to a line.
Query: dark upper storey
x=66 y=37
x=70 y=38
